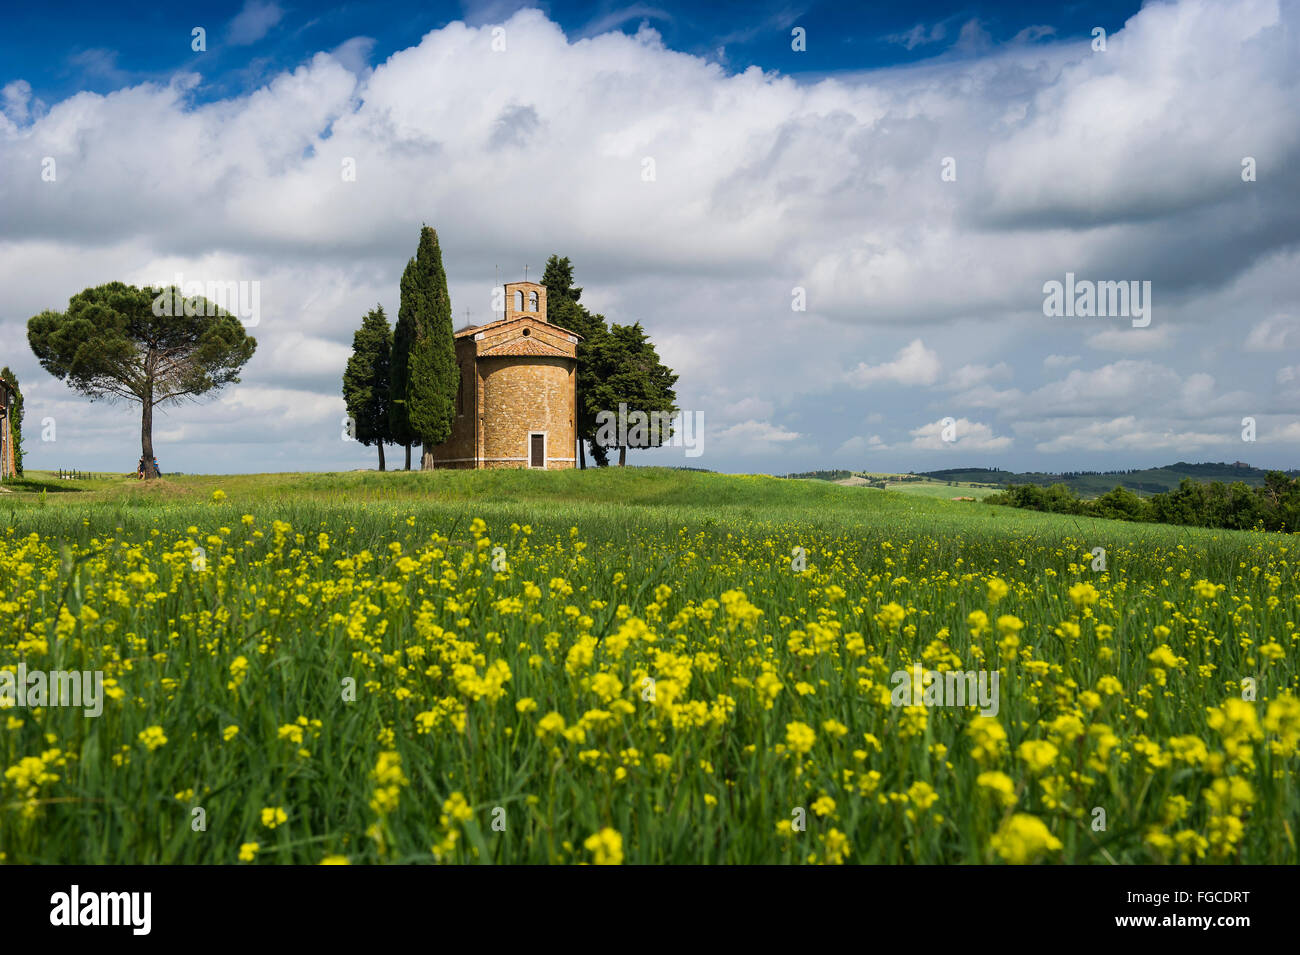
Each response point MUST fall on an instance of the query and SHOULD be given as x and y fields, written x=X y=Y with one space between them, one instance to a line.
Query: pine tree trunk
x=148 y=469
x=622 y=455
x=408 y=455
x=426 y=459
x=381 y=455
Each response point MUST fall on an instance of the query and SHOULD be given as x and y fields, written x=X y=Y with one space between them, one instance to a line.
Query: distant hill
x=1093 y=483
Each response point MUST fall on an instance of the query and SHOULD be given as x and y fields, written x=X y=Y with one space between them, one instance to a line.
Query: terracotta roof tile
x=524 y=346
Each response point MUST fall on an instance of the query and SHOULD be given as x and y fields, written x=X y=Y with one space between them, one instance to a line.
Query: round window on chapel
x=527 y=332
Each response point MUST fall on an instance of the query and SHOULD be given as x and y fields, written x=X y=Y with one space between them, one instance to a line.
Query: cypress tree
x=399 y=424
x=431 y=373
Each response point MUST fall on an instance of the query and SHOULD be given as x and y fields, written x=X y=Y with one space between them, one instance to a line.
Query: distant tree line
x=821 y=475
x=1149 y=480
x=1274 y=506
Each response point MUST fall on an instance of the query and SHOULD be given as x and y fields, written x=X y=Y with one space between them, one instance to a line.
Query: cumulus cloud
x=914 y=365
x=1120 y=386
x=966 y=436
x=969 y=376
x=1127 y=432
x=16 y=101
x=1274 y=333
x=986 y=396
x=1288 y=384
x=753 y=437
x=1288 y=433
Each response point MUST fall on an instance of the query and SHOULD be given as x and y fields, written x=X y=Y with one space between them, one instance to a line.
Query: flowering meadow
x=636 y=666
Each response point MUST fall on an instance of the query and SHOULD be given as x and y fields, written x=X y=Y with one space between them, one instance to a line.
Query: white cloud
x=1060 y=361
x=968 y=436
x=16 y=101
x=747 y=408
x=913 y=365
x=98 y=64
x=969 y=376
x=253 y=22
x=986 y=396
x=1286 y=434
x=1129 y=433
x=1118 y=170
x=1031 y=33
x=354 y=54
x=1121 y=386
x=295 y=354
x=919 y=35
x=753 y=437
x=1287 y=380
x=1274 y=333
x=1133 y=340
x=973 y=38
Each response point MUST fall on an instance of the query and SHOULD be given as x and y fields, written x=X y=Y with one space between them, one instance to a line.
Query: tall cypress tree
x=563 y=308
x=431 y=374
x=366 y=381
x=16 y=425
x=399 y=422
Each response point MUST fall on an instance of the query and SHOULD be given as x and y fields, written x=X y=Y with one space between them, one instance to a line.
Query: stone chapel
x=516 y=406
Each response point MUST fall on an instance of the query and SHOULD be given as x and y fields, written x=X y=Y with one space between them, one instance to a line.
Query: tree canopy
x=146 y=345
x=630 y=377
x=1235 y=506
x=366 y=381
x=564 y=309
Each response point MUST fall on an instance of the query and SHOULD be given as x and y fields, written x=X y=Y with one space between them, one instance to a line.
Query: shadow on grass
x=37 y=484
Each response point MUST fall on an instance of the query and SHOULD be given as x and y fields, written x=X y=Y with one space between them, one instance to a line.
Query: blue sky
x=915 y=178
x=100 y=47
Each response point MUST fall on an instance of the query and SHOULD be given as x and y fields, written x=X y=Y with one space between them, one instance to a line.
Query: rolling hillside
x=1092 y=483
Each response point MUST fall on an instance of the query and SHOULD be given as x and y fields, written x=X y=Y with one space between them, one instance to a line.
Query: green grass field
x=634 y=665
x=942 y=491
